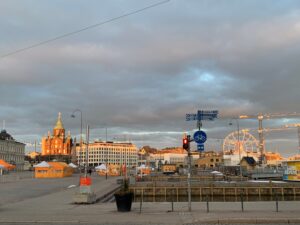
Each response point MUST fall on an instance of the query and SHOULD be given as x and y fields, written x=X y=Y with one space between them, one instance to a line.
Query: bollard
x=207 y=205
x=141 y=204
x=276 y=199
x=172 y=200
x=242 y=201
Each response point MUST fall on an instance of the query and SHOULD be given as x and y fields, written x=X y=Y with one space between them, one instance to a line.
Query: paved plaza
x=49 y=201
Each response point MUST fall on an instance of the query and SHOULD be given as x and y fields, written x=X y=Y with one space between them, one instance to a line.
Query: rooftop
x=5 y=136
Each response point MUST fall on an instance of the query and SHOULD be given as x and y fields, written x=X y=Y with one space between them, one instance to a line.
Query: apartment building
x=108 y=153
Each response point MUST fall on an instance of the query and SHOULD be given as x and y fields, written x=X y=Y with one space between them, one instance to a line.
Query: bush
x=124 y=187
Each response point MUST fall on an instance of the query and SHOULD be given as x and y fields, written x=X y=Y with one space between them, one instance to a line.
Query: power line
x=83 y=29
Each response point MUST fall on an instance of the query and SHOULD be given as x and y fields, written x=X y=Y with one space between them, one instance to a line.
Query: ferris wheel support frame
x=239 y=145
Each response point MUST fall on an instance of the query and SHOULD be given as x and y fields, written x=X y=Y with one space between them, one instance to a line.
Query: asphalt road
x=59 y=222
x=16 y=191
x=29 y=188
x=49 y=201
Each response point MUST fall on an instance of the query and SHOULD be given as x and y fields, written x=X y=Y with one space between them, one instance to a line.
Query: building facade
x=177 y=156
x=33 y=155
x=108 y=153
x=273 y=158
x=209 y=159
x=12 y=151
x=248 y=163
x=57 y=143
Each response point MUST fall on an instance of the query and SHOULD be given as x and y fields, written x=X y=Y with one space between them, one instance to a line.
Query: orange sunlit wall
x=57 y=143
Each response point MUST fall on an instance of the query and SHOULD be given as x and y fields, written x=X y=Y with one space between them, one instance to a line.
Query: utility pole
x=81 y=141
x=239 y=147
x=87 y=150
x=189 y=175
x=298 y=138
x=261 y=140
x=186 y=145
x=35 y=151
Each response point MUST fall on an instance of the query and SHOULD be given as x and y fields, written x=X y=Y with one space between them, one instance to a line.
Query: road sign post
x=199 y=137
x=189 y=175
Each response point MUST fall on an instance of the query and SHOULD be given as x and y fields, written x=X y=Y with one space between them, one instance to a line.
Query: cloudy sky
x=138 y=76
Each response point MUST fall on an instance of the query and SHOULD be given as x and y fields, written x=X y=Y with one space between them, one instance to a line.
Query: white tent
x=42 y=164
x=72 y=165
x=217 y=173
x=143 y=166
x=1 y=169
x=101 y=167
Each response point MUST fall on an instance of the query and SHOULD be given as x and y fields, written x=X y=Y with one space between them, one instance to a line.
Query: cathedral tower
x=57 y=143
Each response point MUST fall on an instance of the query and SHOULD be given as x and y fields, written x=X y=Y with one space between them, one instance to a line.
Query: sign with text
x=202 y=115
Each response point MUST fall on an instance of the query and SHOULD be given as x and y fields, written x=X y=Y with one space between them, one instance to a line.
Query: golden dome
x=59 y=124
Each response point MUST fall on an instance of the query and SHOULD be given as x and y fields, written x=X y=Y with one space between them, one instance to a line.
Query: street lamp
x=106 y=155
x=87 y=150
x=239 y=147
x=106 y=165
x=80 y=152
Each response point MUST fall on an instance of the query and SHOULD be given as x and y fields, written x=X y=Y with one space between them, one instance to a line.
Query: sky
x=135 y=78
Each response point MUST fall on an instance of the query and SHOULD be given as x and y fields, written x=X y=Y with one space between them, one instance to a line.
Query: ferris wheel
x=242 y=140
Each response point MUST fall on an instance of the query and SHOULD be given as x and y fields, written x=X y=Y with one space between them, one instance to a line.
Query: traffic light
x=185 y=143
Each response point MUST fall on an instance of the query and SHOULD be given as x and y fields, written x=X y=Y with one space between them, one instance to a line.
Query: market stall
x=52 y=170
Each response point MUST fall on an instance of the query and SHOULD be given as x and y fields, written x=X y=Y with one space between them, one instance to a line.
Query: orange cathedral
x=57 y=143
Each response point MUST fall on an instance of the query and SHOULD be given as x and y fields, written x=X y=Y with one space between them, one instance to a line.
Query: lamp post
x=239 y=146
x=106 y=155
x=106 y=166
x=80 y=151
x=85 y=194
x=87 y=150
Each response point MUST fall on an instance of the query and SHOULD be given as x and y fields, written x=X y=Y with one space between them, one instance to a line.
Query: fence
x=210 y=206
x=217 y=193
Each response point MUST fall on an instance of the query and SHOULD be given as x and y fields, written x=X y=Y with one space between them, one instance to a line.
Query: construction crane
x=260 y=117
x=284 y=127
x=295 y=125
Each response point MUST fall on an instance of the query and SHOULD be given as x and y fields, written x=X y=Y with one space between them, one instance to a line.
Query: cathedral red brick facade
x=57 y=143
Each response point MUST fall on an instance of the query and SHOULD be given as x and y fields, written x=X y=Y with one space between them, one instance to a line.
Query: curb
x=246 y=221
x=102 y=197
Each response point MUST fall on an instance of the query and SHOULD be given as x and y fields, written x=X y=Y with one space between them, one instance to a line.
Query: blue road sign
x=207 y=115
x=190 y=117
x=200 y=137
x=200 y=147
x=202 y=115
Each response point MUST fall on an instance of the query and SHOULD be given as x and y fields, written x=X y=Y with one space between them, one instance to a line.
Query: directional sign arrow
x=200 y=147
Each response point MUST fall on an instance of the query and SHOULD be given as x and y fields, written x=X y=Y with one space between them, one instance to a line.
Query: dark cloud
x=139 y=76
